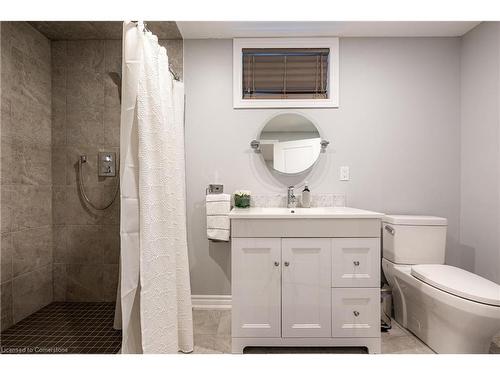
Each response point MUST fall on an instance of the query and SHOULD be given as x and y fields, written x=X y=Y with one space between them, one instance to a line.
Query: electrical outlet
x=344 y=173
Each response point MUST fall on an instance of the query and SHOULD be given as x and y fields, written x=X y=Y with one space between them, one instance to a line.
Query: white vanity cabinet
x=289 y=289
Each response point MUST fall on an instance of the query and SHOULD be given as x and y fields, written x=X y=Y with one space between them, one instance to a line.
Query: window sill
x=285 y=103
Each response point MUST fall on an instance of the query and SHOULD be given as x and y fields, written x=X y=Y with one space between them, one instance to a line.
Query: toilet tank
x=409 y=239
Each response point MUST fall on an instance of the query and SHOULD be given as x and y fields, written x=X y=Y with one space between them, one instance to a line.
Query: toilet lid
x=458 y=282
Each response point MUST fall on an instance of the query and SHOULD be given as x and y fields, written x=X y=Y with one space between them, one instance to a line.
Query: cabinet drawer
x=355 y=312
x=356 y=262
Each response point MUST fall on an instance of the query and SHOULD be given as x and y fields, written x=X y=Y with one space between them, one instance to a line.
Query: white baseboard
x=211 y=301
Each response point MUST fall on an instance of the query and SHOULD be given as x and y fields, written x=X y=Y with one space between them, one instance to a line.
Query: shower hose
x=81 y=161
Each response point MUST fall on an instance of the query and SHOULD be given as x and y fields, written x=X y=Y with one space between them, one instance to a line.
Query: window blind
x=285 y=73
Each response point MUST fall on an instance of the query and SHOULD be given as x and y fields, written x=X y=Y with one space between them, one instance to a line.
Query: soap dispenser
x=306 y=196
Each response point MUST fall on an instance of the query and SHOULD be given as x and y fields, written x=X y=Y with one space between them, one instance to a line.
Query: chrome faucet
x=291 y=201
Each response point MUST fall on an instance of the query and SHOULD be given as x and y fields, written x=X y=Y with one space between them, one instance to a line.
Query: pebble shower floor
x=65 y=328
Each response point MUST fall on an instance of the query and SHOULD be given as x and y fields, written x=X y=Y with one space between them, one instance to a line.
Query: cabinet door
x=306 y=271
x=256 y=287
x=356 y=262
x=356 y=312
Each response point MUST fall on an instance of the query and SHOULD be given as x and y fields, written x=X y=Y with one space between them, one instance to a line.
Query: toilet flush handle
x=390 y=229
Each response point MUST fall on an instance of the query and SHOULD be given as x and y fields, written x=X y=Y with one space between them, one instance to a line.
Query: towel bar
x=214 y=189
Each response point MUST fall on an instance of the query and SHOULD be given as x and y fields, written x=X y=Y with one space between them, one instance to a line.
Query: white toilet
x=448 y=308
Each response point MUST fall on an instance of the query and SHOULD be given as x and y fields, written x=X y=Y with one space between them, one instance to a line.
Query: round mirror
x=290 y=143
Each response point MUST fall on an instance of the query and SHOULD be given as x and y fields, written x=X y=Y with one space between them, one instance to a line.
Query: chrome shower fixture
x=107 y=168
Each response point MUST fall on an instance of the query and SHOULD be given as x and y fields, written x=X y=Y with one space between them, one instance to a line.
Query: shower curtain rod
x=174 y=74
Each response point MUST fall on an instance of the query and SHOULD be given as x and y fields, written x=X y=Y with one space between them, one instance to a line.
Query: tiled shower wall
x=58 y=102
x=86 y=120
x=26 y=181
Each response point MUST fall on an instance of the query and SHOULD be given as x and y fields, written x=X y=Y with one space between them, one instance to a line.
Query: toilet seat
x=459 y=282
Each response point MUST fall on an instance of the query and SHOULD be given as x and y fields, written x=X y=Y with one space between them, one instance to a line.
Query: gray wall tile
x=86 y=55
x=26 y=184
x=86 y=120
x=31 y=291
x=70 y=209
x=113 y=56
x=59 y=282
x=6 y=306
x=6 y=211
x=85 y=245
x=58 y=118
x=31 y=119
x=58 y=165
x=6 y=257
x=109 y=282
x=30 y=206
x=60 y=240
x=84 y=282
x=32 y=249
x=28 y=40
x=110 y=239
x=12 y=150
x=25 y=162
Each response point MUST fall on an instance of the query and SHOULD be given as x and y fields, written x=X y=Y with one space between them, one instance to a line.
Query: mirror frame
x=255 y=143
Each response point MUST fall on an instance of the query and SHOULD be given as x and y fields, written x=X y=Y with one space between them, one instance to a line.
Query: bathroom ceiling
x=225 y=29
x=78 y=30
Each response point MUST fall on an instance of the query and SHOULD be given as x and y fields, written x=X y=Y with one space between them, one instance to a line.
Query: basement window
x=285 y=73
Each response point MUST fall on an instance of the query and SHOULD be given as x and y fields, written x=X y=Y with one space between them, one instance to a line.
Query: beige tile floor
x=212 y=334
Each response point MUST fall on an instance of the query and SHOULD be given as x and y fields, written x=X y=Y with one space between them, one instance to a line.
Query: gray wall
x=397 y=128
x=26 y=181
x=85 y=120
x=480 y=149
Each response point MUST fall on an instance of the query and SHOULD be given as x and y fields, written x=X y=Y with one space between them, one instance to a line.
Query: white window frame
x=333 y=72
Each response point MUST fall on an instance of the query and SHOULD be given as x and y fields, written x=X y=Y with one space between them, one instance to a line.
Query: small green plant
x=242 y=198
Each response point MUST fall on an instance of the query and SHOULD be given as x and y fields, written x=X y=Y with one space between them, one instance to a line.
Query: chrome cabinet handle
x=390 y=229
x=356 y=313
x=287 y=264
x=356 y=263
x=276 y=263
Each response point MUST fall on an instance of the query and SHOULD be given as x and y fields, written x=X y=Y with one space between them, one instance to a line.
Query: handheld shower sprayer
x=82 y=160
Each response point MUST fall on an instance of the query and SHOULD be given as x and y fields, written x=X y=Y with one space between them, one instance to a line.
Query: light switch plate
x=344 y=173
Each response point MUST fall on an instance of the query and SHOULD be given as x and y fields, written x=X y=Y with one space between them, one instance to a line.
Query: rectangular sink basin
x=302 y=213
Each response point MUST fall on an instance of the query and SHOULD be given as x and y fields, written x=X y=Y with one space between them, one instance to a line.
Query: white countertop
x=303 y=213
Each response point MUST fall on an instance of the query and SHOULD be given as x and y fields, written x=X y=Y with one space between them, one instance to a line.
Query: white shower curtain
x=155 y=292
